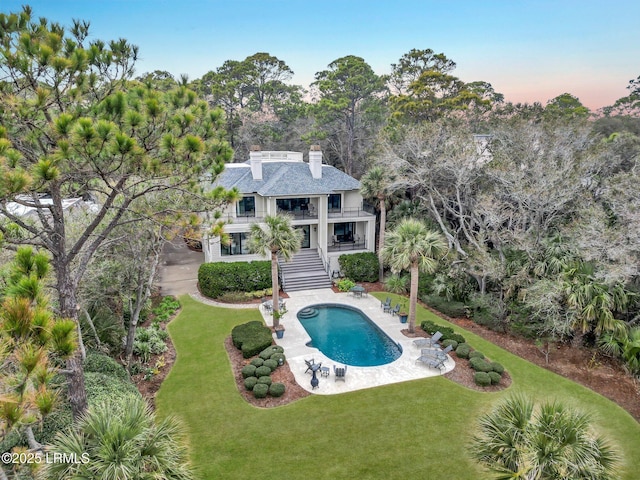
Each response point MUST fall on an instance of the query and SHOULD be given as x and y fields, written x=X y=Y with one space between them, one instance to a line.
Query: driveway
x=178 y=269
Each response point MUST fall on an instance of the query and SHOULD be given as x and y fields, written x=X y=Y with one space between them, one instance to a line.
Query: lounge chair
x=395 y=310
x=340 y=372
x=387 y=303
x=437 y=352
x=428 y=342
x=431 y=361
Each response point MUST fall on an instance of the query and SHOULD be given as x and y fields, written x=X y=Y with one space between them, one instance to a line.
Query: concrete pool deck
x=296 y=337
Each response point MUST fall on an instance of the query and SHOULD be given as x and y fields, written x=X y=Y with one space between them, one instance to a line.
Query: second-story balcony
x=365 y=211
x=251 y=216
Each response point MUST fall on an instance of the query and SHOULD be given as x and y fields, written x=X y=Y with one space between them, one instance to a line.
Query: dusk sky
x=528 y=50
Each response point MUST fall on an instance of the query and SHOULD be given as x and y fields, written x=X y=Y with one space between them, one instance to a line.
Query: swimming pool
x=346 y=335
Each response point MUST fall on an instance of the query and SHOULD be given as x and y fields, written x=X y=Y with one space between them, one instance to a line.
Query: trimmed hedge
x=448 y=342
x=215 y=279
x=276 y=389
x=480 y=365
x=463 y=350
x=447 y=332
x=495 y=378
x=249 y=371
x=266 y=379
x=481 y=378
x=360 y=267
x=250 y=382
x=251 y=337
x=277 y=357
x=268 y=352
x=497 y=367
x=263 y=371
x=476 y=354
x=257 y=362
x=272 y=364
x=261 y=390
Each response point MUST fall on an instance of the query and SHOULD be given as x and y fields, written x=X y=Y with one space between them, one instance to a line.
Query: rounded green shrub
x=249 y=371
x=257 y=362
x=251 y=337
x=480 y=365
x=266 y=380
x=497 y=367
x=482 y=378
x=447 y=332
x=360 y=267
x=458 y=338
x=277 y=357
x=476 y=354
x=261 y=390
x=276 y=389
x=495 y=378
x=270 y=350
x=272 y=364
x=429 y=327
x=262 y=371
x=250 y=382
x=453 y=344
x=463 y=350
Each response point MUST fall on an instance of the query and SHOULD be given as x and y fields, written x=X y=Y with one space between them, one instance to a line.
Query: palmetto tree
x=552 y=442
x=278 y=237
x=120 y=445
x=376 y=183
x=593 y=302
x=412 y=246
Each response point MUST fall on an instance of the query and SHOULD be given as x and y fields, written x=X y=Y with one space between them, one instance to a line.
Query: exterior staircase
x=305 y=271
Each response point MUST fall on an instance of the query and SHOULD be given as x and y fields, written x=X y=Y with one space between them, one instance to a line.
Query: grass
x=402 y=430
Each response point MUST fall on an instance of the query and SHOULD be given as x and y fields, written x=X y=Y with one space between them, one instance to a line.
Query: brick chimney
x=255 y=158
x=315 y=161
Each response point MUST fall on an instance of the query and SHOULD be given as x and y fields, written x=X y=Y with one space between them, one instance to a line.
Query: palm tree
x=376 y=183
x=411 y=245
x=277 y=237
x=517 y=441
x=593 y=302
x=127 y=443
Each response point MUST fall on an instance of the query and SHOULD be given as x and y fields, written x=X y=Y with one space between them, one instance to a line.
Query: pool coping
x=296 y=337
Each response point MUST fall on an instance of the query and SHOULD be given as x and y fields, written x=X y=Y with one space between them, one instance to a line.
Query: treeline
x=348 y=104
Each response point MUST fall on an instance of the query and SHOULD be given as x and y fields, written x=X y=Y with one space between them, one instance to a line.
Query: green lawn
x=417 y=429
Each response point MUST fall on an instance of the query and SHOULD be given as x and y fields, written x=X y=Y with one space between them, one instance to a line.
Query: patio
x=357 y=378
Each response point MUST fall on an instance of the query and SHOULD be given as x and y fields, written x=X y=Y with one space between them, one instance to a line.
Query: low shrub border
x=486 y=372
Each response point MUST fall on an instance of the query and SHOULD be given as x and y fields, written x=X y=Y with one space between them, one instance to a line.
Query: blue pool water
x=346 y=335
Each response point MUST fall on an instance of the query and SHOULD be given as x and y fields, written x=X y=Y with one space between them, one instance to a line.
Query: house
x=324 y=202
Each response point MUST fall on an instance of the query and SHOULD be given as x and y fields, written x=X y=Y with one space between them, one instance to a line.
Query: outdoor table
x=269 y=303
x=357 y=291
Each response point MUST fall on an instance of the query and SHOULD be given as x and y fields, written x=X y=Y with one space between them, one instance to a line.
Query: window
x=335 y=202
x=344 y=231
x=247 y=207
x=238 y=245
x=292 y=204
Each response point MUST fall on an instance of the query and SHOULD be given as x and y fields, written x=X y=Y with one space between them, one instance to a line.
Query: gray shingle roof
x=287 y=178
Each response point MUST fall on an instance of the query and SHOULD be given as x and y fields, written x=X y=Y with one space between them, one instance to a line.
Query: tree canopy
x=73 y=125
